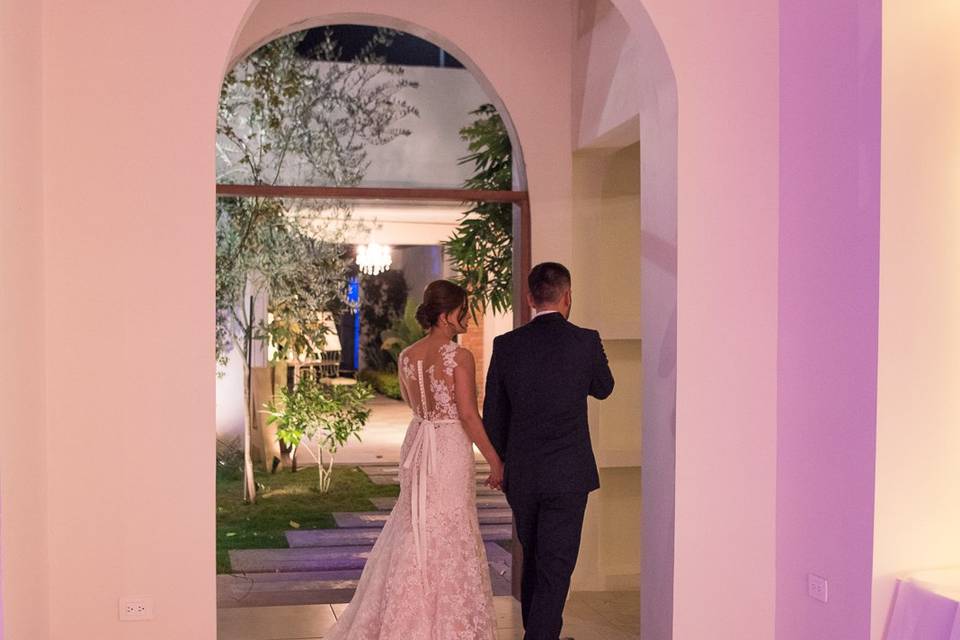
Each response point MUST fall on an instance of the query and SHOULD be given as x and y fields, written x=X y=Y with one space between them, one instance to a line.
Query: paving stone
x=501 y=586
x=496 y=553
x=393 y=469
x=378 y=518
x=393 y=478
x=498 y=501
x=337 y=558
x=305 y=587
x=303 y=559
x=299 y=538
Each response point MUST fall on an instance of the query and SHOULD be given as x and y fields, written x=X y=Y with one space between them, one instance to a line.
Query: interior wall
x=128 y=201
x=709 y=313
x=606 y=266
x=23 y=438
x=723 y=68
x=828 y=276
x=131 y=267
x=917 y=520
x=708 y=127
x=421 y=265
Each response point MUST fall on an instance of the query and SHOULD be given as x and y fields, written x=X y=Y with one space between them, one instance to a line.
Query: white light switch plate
x=817 y=587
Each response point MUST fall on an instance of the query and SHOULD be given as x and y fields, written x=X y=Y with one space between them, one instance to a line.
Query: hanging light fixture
x=373 y=258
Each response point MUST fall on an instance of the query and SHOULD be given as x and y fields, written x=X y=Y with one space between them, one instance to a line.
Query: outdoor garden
x=317 y=334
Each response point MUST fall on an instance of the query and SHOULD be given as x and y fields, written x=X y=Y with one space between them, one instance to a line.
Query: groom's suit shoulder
x=535 y=329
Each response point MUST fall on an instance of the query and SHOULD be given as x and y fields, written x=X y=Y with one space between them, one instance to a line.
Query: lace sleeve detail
x=449 y=353
x=406 y=367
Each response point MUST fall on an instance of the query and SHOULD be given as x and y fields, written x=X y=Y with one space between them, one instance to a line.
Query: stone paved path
x=324 y=565
x=271 y=577
x=378 y=518
x=483 y=502
x=300 y=538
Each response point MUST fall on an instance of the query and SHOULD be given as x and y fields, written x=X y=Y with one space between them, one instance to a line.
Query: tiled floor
x=608 y=615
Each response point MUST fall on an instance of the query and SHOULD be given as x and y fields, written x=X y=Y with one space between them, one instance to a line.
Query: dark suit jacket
x=535 y=409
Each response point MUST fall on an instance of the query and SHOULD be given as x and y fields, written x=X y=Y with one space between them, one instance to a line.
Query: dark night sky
x=406 y=49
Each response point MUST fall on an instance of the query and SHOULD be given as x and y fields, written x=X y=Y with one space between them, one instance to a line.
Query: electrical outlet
x=135 y=609
x=817 y=587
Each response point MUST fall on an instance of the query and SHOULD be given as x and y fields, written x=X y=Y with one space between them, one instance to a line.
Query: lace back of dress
x=426 y=380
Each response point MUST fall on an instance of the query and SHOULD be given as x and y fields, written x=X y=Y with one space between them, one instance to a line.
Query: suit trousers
x=549 y=528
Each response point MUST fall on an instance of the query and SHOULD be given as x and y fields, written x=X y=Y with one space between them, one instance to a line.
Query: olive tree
x=289 y=118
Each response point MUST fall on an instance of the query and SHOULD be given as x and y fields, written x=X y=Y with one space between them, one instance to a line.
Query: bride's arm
x=465 y=395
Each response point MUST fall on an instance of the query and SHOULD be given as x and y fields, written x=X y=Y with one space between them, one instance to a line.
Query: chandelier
x=373 y=258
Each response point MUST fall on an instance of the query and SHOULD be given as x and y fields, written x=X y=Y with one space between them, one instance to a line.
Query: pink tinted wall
x=129 y=250
x=718 y=425
x=724 y=58
x=130 y=92
x=624 y=86
x=624 y=89
x=23 y=524
x=608 y=77
x=829 y=226
x=917 y=522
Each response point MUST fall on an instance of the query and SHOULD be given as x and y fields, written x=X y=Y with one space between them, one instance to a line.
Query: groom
x=535 y=413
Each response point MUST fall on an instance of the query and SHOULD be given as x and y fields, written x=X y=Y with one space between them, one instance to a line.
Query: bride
x=427 y=576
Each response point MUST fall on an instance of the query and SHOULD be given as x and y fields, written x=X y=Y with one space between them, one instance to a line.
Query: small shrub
x=405 y=331
x=326 y=414
x=229 y=459
x=385 y=382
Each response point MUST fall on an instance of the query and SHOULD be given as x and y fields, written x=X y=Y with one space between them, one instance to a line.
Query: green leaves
x=327 y=413
x=404 y=332
x=288 y=118
x=481 y=248
x=385 y=382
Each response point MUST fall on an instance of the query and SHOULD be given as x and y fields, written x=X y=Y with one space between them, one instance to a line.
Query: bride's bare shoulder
x=462 y=355
x=415 y=350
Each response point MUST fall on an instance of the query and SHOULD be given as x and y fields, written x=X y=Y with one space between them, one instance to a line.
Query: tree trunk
x=249 y=482
x=288 y=456
x=249 y=485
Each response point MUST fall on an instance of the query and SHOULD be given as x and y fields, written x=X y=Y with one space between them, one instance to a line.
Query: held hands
x=495 y=480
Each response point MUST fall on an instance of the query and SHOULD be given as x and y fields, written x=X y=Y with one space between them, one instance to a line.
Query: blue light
x=353 y=294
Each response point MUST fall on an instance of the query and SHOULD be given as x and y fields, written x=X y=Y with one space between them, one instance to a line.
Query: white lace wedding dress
x=427 y=576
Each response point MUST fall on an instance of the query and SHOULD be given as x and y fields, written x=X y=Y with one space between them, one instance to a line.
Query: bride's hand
x=495 y=480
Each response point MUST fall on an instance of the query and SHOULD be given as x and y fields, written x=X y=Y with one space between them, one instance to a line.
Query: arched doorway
x=414 y=195
x=657 y=123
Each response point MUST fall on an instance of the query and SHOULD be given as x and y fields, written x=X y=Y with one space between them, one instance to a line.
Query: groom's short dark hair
x=547 y=282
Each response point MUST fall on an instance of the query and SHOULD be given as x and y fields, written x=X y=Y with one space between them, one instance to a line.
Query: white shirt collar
x=544 y=312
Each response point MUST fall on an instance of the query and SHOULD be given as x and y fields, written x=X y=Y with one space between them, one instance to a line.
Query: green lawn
x=286 y=497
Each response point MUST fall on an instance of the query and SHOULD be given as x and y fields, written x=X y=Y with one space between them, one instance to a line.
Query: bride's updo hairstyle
x=440 y=298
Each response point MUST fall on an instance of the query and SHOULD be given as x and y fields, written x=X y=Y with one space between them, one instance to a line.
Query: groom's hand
x=495 y=479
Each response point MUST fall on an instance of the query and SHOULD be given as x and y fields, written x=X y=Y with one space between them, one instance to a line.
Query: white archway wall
x=625 y=89
x=723 y=337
